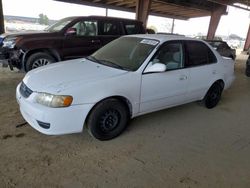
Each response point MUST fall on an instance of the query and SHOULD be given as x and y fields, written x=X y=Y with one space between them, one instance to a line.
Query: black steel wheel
x=108 y=119
x=213 y=95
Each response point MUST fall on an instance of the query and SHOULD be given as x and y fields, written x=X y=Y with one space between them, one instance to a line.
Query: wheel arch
x=219 y=81
x=123 y=99
x=54 y=53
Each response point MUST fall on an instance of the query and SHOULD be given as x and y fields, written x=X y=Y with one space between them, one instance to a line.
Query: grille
x=25 y=91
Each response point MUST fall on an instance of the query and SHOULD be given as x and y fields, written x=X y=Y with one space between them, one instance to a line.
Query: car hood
x=56 y=78
x=21 y=34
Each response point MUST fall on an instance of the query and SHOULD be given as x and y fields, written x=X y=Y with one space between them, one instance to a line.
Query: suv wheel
x=39 y=59
x=108 y=119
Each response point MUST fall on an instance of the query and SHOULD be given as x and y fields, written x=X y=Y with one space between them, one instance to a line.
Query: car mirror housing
x=157 y=67
x=71 y=31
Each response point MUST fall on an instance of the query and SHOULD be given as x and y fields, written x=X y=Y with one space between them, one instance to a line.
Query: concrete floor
x=185 y=146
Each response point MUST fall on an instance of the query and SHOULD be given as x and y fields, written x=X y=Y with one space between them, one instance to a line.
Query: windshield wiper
x=112 y=64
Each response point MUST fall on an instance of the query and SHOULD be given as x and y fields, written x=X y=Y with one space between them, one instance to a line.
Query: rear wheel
x=108 y=119
x=38 y=59
x=213 y=96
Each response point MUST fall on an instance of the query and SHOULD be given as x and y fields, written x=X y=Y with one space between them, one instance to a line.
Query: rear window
x=199 y=54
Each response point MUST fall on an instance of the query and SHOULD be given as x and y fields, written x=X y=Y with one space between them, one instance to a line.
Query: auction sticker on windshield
x=150 y=42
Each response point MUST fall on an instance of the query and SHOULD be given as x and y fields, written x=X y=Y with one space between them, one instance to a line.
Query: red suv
x=69 y=38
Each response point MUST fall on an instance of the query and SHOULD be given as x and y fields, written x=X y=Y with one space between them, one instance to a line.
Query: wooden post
x=247 y=43
x=142 y=10
x=214 y=21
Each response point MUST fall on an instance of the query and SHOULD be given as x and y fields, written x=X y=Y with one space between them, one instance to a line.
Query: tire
x=248 y=73
x=108 y=119
x=213 y=96
x=39 y=59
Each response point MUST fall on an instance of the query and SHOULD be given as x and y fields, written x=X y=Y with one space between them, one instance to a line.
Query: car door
x=201 y=63
x=109 y=30
x=84 y=42
x=169 y=88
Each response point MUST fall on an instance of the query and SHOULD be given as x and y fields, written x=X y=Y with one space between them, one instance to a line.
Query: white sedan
x=130 y=76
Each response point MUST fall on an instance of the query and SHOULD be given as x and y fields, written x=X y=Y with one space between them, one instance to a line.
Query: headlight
x=10 y=42
x=54 y=101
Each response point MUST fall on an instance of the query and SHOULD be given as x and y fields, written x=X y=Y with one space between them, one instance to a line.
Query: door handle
x=183 y=77
x=95 y=41
x=214 y=72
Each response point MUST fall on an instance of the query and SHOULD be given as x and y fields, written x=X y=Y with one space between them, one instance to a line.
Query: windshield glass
x=126 y=53
x=59 y=25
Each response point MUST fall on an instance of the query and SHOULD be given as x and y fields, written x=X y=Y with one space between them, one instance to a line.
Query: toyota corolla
x=128 y=77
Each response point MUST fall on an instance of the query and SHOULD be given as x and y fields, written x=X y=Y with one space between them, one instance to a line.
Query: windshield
x=59 y=25
x=126 y=53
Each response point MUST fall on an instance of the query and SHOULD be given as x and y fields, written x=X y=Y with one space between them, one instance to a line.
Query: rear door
x=201 y=63
x=109 y=30
x=84 y=42
x=131 y=28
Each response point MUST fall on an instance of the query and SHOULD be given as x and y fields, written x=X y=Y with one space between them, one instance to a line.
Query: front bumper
x=11 y=57
x=52 y=121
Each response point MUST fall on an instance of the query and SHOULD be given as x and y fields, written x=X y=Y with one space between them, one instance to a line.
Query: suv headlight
x=10 y=42
x=54 y=101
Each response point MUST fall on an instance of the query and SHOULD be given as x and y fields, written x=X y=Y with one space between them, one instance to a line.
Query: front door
x=162 y=90
x=84 y=42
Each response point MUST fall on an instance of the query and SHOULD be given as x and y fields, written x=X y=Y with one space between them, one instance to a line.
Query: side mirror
x=71 y=31
x=157 y=67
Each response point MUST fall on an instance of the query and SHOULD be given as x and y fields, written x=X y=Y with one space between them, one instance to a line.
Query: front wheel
x=108 y=119
x=213 y=96
x=38 y=59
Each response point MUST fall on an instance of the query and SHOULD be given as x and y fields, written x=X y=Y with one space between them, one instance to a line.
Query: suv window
x=132 y=28
x=170 y=54
x=198 y=54
x=86 y=28
x=109 y=28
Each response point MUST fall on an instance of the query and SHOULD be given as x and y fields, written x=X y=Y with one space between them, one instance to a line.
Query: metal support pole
x=107 y=11
x=172 y=28
x=1 y=18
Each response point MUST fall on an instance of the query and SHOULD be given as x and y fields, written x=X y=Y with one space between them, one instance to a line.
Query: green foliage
x=43 y=19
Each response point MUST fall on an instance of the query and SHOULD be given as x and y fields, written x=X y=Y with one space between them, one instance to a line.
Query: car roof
x=163 y=37
x=215 y=41
x=104 y=17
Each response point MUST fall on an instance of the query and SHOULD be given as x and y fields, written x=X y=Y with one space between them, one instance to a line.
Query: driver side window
x=170 y=54
x=86 y=28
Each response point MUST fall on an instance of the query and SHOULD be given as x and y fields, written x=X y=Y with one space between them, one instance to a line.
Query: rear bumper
x=229 y=81
x=52 y=121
